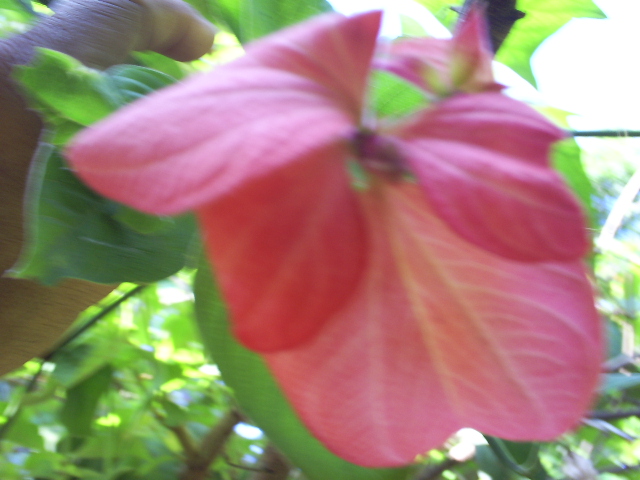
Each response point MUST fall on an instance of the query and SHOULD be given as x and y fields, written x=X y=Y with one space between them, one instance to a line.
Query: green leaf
x=251 y=19
x=17 y=5
x=25 y=432
x=490 y=464
x=141 y=222
x=262 y=400
x=566 y=159
x=80 y=406
x=74 y=232
x=174 y=414
x=78 y=234
x=411 y=27
x=161 y=63
x=520 y=457
x=209 y=9
x=14 y=17
x=133 y=82
x=62 y=84
x=71 y=95
x=72 y=364
x=542 y=19
x=44 y=464
x=393 y=97
x=614 y=338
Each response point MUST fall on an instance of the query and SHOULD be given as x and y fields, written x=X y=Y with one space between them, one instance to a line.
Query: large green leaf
x=61 y=83
x=71 y=96
x=132 y=82
x=251 y=19
x=261 y=398
x=542 y=18
x=76 y=233
x=64 y=89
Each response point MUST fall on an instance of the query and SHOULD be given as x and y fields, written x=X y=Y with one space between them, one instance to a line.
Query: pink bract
x=443 y=67
x=445 y=291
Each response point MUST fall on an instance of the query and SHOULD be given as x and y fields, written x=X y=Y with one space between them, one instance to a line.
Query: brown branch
x=213 y=442
x=273 y=465
x=211 y=446
x=186 y=442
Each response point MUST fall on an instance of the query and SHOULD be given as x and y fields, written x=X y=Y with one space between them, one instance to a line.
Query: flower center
x=378 y=154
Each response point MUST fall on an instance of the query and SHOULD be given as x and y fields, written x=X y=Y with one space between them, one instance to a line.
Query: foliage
x=135 y=395
x=79 y=229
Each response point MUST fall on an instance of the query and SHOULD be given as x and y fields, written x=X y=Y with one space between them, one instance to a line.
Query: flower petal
x=332 y=51
x=445 y=66
x=422 y=61
x=288 y=250
x=482 y=161
x=201 y=139
x=442 y=335
x=471 y=56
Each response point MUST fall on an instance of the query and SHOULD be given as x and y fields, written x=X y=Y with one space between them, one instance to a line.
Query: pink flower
x=403 y=278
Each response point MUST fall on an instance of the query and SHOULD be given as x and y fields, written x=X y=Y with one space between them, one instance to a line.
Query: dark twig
x=501 y=16
x=601 y=415
x=242 y=467
x=92 y=321
x=605 y=133
x=273 y=465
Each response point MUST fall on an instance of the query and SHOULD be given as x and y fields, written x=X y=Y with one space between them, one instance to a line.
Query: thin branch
x=620 y=469
x=213 y=442
x=604 y=133
x=15 y=412
x=273 y=465
x=92 y=321
x=241 y=467
x=602 y=415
